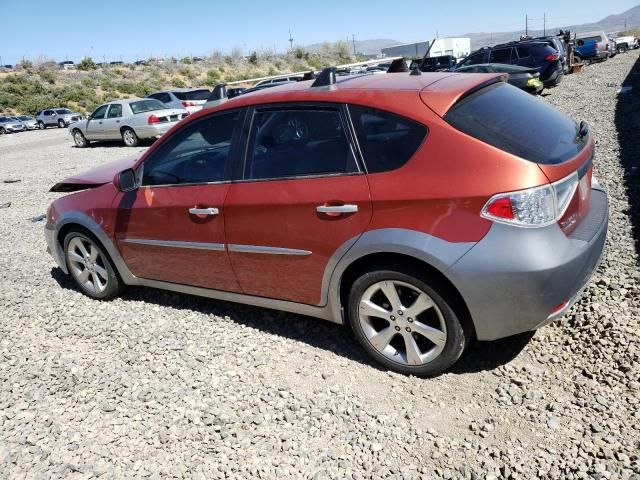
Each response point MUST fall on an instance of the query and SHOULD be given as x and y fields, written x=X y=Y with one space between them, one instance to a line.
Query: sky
x=134 y=29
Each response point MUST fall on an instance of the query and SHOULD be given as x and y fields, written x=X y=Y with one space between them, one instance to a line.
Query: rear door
x=300 y=195
x=502 y=55
x=112 y=122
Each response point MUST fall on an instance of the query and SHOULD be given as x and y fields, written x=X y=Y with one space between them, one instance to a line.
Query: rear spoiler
x=503 y=77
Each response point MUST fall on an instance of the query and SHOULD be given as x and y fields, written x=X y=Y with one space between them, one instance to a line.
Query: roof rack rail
x=327 y=78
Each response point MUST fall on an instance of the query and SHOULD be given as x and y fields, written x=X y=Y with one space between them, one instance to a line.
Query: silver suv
x=60 y=117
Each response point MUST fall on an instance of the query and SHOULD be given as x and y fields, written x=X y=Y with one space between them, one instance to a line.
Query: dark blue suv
x=533 y=54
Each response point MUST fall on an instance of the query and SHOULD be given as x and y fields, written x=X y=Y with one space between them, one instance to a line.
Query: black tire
x=587 y=61
x=114 y=285
x=61 y=124
x=79 y=139
x=129 y=137
x=2 y=131
x=41 y=125
x=622 y=49
x=457 y=337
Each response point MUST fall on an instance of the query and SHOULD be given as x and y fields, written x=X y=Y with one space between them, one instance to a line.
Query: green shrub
x=88 y=82
x=86 y=63
x=126 y=87
x=178 y=82
x=253 y=58
x=47 y=76
x=186 y=60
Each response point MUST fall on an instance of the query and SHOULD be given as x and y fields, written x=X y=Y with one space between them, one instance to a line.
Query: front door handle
x=204 y=211
x=337 y=209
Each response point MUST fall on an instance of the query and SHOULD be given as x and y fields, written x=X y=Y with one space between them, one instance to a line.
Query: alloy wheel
x=402 y=322
x=79 y=138
x=129 y=138
x=87 y=265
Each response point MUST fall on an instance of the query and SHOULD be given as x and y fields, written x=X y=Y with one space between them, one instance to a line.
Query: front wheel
x=41 y=125
x=90 y=267
x=405 y=323
x=130 y=138
x=61 y=124
x=79 y=139
x=622 y=49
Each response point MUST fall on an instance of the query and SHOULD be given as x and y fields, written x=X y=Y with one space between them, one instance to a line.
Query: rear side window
x=523 y=52
x=517 y=122
x=193 y=95
x=500 y=55
x=387 y=140
x=292 y=142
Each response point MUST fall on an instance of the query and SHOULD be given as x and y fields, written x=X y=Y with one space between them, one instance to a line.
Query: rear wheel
x=79 y=139
x=41 y=125
x=2 y=131
x=130 y=138
x=405 y=323
x=60 y=123
x=90 y=267
x=622 y=49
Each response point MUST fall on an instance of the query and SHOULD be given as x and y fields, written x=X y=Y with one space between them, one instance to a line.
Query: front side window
x=197 y=153
x=295 y=142
x=387 y=140
x=99 y=112
x=115 y=111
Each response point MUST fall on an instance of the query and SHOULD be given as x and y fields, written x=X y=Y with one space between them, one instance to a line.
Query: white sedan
x=130 y=120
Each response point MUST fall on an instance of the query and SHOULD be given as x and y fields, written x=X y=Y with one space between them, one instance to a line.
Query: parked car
x=422 y=213
x=212 y=101
x=530 y=53
x=11 y=125
x=29 y=122
x=586 y=51
x=556 y=42
x=188 y=98
x=627 y=42
x=525 y=78
x=601 y=40
x=127 y=120
x=60 y=117
x=442 y=63
x=279 y=80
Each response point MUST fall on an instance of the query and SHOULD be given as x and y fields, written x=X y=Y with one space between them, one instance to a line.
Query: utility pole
x=544 y=23
x=526 y=25
x=625 y=25
x=353 y=39
x=290 y=39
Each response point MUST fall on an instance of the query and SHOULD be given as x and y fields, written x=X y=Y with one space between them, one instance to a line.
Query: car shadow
x=480 y=356
x=627 y=122
x=116 y=143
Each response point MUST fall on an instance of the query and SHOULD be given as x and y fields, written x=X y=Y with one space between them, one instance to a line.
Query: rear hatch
x=193 y=98
x=518 y=123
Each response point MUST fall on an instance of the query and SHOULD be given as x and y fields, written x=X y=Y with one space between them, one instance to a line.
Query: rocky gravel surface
x=161 y=385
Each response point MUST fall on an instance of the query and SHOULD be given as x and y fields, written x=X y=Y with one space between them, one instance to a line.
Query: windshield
x=202 y=94
x=63 y=111
x=148 y=105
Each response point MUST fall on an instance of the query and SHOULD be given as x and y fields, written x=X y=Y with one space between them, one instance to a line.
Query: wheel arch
x=84 y=224
x=407 y=264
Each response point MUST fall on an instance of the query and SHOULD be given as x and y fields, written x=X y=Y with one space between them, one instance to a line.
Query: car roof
x=395 y=92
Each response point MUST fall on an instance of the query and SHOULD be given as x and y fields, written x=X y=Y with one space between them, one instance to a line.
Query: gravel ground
x=161 y=385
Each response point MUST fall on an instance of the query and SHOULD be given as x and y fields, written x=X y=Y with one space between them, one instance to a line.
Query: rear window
x=387 y=140
x=517 y=122
x=142 y=106
x=63 y=111
x=193 y=95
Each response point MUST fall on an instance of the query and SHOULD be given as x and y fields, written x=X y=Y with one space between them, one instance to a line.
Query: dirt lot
x=161 y=385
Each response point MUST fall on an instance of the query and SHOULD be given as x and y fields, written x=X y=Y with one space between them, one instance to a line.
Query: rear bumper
x=155 y=130
x=517 y=279
x=554 y=78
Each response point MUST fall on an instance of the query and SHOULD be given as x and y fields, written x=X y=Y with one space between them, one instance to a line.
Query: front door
x=95 y=128
x=172 y=228
x=300 y=197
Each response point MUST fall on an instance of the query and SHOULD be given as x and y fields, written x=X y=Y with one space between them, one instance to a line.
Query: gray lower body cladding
x=514 y=278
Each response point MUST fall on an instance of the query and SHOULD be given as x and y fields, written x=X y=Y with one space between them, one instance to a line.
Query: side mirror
x=54 y=114
x=127 y=181
x=89 y=117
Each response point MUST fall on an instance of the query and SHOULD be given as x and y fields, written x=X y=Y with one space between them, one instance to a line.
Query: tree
x=87 y=63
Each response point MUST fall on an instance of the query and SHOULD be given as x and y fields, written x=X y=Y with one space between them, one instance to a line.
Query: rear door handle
x=337 y=209
x=204 y=211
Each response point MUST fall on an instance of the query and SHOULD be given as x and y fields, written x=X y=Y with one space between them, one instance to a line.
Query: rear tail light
x=533 y=207
x=552 y=57
x=153 y=119
x=189 y=104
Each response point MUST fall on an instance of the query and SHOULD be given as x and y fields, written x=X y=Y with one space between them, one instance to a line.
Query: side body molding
x=438 y=253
